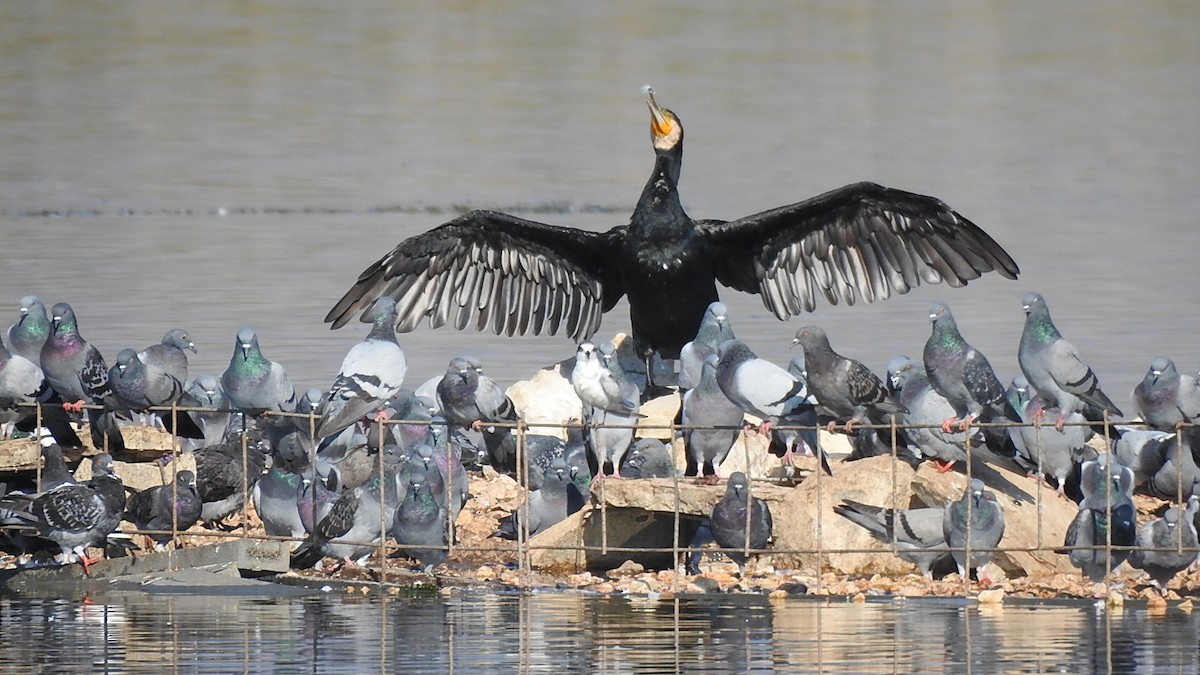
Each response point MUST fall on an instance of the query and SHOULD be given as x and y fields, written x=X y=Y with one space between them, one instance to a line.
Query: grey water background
x=219 y=164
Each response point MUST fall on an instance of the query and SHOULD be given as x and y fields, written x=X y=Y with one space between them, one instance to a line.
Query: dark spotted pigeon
x=963 y=375
x=648 y=458
x=913 y=531
x=170 y=508
x=1166 y=400
x=169 y=354
x=844 y=388
x=973 y=523
x=224 y=476
x=254 y=384
x=728 y=521
x=29 y=333
x=1166 y=546
x=371 y=373
x=76 y=370
x=1053 y=366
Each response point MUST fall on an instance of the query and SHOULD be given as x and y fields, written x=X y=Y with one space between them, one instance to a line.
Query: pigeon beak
x=795 y=341
x=245 y=351
x=192 y=347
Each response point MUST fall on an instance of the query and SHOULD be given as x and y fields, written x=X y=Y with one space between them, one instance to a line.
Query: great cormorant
x=515 y=276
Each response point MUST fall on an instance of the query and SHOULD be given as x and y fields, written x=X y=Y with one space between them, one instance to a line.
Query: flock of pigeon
x=324 y=470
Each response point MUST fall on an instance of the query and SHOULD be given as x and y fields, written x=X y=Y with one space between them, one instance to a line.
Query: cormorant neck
x=659 y=208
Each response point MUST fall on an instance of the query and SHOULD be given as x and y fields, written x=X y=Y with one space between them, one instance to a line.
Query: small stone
x=627 y=569
x=580 y=580
x=485 y=573
x=1186 y=605
x=859 y=598
x=992 y=596
x=1115 y=600
x=605 y=587
x=777 y=594
x=638 y=587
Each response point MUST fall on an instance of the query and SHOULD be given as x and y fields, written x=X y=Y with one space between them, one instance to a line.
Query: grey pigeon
x=598 y=386
x=925 y=409
x=1106 y=515
x=139 y=386
x=1165 y=399
x=254 y=384
x=171 y=508
x=764 y=389
x=962 y=374
x=1180 y=471
x=205 y=392
x=729 y=518
x=541 y=449
x=371 y=373
x=169 y=354
x=711 y=424
x=1050 y=451
x=275 y=495
x=1159 y=540
x=23 y=384
x=1053 y=366
x=472 y=400
x=77 y=517
x=419 y=526
x=648 y=458
x=844 y=388
x=319 y=491
x=76 y=370
x=350 y=530
x=448 y=460
x=545 y=507
x=714 y=329
x=54 y=468
x=973 y=522
x=611 y=419
x=1144 y=451
x=914 y=531
x=29 y=333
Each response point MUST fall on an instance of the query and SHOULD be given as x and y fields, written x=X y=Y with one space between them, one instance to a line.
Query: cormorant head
x=665 y=129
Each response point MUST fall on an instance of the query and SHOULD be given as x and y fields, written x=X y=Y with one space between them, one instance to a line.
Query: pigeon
x=169 y=355
x=648 y=458
x=1165 y=399
x=925 y=409
x=771 y=393
x=973 y=524
x=1166 y=546
x=545 y=507
x=449 y=465
x=1106 y=515
x=318 y=493
x=470 y=399
x=611 y=405
x=962 y=374
x=711 y=424
x=714 y=329
x=54 y=468
x=913 y=531
x=170 y=508
x=29 y=333
x=1180 y=472
x=843 y=388
x=78 y=516
x=76 y=370
x=540 y=450
x=410 y=421
x=1053 y=366
x=1050 y=451
x=224 y=477
x=371 y=373
x=252 y=383
x=1144 y=451
x=205 y=392
x=22 y=384
x=139 y=386
x=275 y=495
x=352 y=528
x=728 y=521
x=419 y=526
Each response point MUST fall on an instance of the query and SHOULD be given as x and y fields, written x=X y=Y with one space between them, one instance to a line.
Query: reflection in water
x=468 y=633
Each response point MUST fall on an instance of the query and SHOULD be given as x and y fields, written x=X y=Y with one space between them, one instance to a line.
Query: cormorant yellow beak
x=662 y=121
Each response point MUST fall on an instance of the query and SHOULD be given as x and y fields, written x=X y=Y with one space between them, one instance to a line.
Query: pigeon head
x=939 y=310
x=102 y=465
x=247 y=342
x=126 y=358
x=384 y=311
x=186 y=478
x=63 y=319
x=811 y=338
x=462 y=369
x=311 y=400
x=1033 y=303
x=1161 y=366
x=179 y=338
x=208 y=384
x=31 y=305
x=899 y=370
x=737 y=484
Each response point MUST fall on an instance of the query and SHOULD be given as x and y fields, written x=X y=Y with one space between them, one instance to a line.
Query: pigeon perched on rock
x=254 y=384
x=1144 y=451
x=472 y=400
x=962 y=374
x=29 y=333
x=1106 y=515
x=714 y=329
x=925 y=408
x=76 y=370
x=224 y=476
x=22 y=382
x=419 y=525
x=169 y=354
x=974 y=523
x=598 y=386
x=1180 y=471
x=1053 y=366
x=711 y=424
x=728 y=521
x=545 y=507
x=1165 y=399
x=648 y=458
x=1166 y=546
x=78 y=516
x=844 y=388
x=139 y=386
x=1049 y=451
x=913 y=531
x=611 y=406
x=371 y=373
x=275 y=496
x=769 y=392
x=205 y=392
x=171 y=508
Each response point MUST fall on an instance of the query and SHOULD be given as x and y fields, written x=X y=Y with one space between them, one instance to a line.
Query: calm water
x=567 y=633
